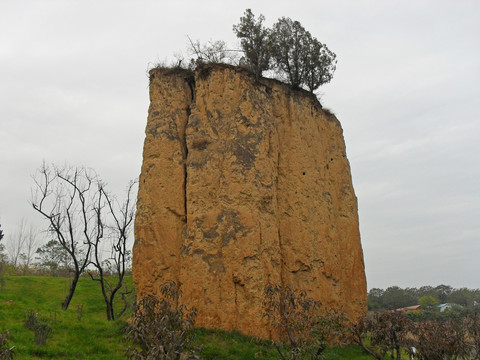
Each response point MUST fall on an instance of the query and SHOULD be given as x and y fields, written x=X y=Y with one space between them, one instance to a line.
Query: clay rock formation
x=244 y=182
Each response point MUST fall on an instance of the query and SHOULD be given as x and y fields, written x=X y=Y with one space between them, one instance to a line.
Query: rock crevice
x=244 y=182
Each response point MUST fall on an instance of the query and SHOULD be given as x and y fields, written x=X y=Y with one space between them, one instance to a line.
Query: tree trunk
x=110 y=314
x=108 y=302
x=69 y=296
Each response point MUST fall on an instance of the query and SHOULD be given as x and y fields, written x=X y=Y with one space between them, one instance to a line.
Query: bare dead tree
x=83 y=216
x=30 y=236
x=211 y=52
x=16 y=242
x=21 y=245
x=63 y=196
x=114 y=222
x=31 y=242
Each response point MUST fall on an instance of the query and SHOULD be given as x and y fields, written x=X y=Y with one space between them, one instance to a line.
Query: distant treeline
x=395 y=297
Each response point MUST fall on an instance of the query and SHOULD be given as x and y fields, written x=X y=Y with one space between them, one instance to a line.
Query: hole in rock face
x=304 y=173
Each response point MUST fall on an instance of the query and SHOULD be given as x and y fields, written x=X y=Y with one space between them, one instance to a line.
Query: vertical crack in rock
x=191 y=85
x=161 y=215
x=280 y=245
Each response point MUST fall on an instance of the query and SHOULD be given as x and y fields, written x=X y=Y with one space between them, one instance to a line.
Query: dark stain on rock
x=203 y=71
x=266 y=203
x=245 y=149
x=215 y=263
x=211 y=234
x=229 y=226
x=244 y=120
x=327 y=197
x=200 y=144
x=244 y=155
x=186 y=249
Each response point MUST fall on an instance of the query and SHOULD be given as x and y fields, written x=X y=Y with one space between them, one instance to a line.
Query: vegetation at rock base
x=161 y=327
x=83 y=332
x=304 y=328
x=93 y=337
x=394 y=335
x=223 y=345
x=380 y=333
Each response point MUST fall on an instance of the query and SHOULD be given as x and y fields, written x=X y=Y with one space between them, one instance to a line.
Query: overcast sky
x=74 y=89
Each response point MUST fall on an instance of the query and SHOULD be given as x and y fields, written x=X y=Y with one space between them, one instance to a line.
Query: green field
x=93 y=337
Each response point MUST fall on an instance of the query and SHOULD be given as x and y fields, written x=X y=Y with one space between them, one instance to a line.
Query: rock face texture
x=244 y=182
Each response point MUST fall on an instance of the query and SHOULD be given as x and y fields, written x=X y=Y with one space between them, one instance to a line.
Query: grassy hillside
x=91 y=336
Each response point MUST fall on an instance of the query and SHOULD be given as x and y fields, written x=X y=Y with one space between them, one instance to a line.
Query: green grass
x=222 y=345
x=93 y=337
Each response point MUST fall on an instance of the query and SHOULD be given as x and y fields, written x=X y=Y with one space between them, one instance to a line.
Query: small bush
x=161 y=329
x=40 y=329
x=380 y=333
x=392 y=332
x=472 y=324
x=79 y=312
x=42 y=332
x=6 y=351
x=304 y=329
x=438 y=340
x=31 y=320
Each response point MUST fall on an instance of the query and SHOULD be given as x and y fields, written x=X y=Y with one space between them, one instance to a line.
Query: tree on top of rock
x=320 y=65
x=255 y=42
x=304 y=59
x=298 y=57
x=292 y=52
x=290 y=46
